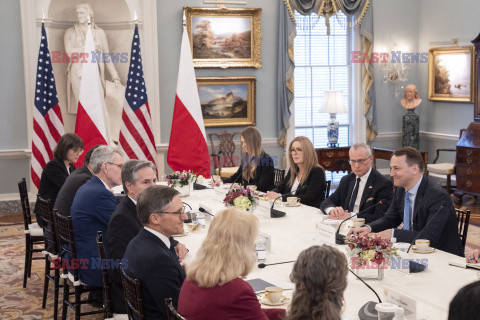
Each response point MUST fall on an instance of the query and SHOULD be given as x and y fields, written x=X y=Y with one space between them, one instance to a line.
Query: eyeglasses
x=297 y=150
x=179 y=212
x=119 y=165
x=359 y=161
x=78 y=152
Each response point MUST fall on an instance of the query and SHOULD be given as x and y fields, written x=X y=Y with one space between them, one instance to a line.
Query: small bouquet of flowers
x=180 y=179
x=367 y=249
x=241 y=198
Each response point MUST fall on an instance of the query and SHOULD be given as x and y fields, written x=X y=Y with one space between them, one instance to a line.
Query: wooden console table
x=336 y=159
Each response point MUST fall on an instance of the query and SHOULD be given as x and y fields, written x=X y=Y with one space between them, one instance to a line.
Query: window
x=321 y=63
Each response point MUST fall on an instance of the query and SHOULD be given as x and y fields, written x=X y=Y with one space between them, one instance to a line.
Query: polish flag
x=188 y=149
x=91 y=124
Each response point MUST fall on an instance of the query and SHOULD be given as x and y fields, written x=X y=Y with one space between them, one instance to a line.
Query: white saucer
x=297 y=204
x=430 y=250
x=267 y=302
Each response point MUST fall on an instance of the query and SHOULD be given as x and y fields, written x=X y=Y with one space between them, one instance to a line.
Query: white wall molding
x=15 y=196
x=423 y=135
x=15 y=154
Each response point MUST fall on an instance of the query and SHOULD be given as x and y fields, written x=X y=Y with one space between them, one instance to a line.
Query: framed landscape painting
x=227 y=101
x=450 y=74
x=224 y=37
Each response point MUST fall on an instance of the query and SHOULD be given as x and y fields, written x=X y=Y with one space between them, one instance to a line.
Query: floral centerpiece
x=370 y=252
x=181 y=181
x=241 y=198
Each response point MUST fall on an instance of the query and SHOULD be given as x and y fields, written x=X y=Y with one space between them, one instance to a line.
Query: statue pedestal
x=410 y=130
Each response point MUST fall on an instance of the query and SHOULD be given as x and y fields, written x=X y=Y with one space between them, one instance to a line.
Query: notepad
x=460 y=262
x=259 y=285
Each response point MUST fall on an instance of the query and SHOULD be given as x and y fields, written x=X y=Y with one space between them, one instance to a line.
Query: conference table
x=432 y=289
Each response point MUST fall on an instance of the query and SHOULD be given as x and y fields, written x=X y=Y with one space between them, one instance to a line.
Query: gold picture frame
x=224 y=37
x=227 y=101
x=451 y=74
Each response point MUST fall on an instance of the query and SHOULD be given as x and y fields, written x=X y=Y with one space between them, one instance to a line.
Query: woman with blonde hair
x=320 y=278
x=214 y=288
x=306 y=178
x=256 y=166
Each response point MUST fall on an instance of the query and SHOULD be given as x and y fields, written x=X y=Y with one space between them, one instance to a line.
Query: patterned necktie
x=406 y=212
x=353 y=198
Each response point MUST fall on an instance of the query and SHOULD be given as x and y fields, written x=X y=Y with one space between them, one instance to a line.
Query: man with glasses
x=151 y=254
x=92 y=207
x=124 y=225
x=359 y=190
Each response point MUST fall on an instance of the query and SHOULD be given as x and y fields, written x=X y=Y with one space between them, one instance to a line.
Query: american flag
x=47 y=117
x=136 y=136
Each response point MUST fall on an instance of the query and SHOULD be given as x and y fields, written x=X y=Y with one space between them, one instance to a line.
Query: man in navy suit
x=124 y=225
x=424 y=209
x=359 y=190
x=92 y=207
x=151 y=256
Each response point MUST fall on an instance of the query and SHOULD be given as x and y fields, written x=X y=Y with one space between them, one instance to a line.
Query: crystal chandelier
x=395 y=75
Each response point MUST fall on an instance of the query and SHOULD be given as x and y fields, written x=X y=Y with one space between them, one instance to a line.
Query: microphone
x=426 y=225
x=263 y=265
x=201 y=209
x=189 y=213
x=274 y=213
x=198 y=186
x=367 y=311
x=340 y=238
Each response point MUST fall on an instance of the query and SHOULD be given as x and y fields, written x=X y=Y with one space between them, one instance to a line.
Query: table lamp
x=333 y=104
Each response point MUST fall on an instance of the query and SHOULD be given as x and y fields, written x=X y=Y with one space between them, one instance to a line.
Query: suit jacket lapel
x=351 y=185
x=419 y=197
x=368 y=188
x=173 y=256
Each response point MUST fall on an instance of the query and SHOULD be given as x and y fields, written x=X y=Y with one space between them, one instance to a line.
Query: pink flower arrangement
x=369 y=248
x=182 y=178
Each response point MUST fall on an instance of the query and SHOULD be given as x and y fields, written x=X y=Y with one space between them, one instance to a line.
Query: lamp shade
x=333 y=102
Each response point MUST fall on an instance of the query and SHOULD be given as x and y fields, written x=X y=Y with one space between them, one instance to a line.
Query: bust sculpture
x=410 y=99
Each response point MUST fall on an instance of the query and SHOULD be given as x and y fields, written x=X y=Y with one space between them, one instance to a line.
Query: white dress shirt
x=161 y=236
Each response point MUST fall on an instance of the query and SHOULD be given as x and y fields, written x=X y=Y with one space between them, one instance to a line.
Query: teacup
x=422 y=244
x=274 y=294
x=292 y=201
x=358 y=222
x=252 y=187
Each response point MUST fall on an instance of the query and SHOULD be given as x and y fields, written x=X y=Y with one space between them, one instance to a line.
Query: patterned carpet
x=15 y=301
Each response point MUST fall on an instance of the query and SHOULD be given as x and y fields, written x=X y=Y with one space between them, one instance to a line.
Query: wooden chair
x=279 y=174
x=226 y=153
x=444 y=169
x=172 y=314
x=132 y=291
x=463 y=220
x=33 y=233
x=327 y=188
x=45 y=216
x=71 y=277
x=107 y=296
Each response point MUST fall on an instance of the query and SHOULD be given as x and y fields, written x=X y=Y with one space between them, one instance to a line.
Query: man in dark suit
x=424 y=209
x=124 y=225
x=92 y=207
x=360 y=189
x=151 y=256
x=74 y=181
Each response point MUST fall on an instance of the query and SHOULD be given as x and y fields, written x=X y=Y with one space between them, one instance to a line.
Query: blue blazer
x=91 y=210
x=442 y=228
x=159 y=270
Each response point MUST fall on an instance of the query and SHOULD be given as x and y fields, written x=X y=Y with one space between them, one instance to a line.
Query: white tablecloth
x=433 y=289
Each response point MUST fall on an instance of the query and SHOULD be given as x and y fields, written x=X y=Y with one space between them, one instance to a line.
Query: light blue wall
x=169 y=37
x=13 y=127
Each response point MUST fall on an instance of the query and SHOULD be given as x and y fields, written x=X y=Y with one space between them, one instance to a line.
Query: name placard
x=326 y=233
x=408 y=304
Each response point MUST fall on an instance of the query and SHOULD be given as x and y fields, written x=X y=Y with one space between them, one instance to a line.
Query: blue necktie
x=406 y=212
